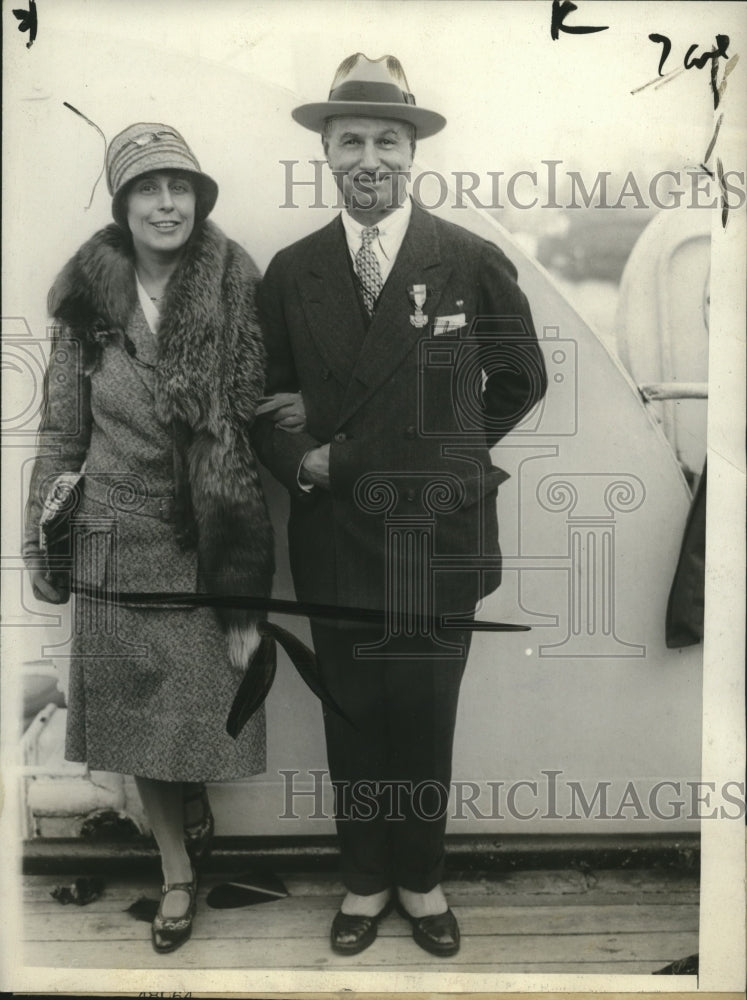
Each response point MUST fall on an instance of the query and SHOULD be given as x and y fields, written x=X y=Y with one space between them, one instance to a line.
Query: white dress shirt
x=392 y=229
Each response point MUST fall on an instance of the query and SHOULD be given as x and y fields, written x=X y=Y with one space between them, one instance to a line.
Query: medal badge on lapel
x=418 y=294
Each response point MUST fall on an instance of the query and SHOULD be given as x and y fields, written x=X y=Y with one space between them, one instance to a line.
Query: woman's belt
x=128 y=494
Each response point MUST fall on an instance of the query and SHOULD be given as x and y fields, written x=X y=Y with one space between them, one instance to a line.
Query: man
x=393 y=494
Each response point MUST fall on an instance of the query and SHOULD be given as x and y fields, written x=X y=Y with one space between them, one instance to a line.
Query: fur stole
x=208 y=380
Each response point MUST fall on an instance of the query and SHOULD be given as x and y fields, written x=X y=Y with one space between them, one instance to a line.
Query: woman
x=154 y=379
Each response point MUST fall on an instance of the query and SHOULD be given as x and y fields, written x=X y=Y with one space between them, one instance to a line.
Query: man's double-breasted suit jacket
x=411 y=413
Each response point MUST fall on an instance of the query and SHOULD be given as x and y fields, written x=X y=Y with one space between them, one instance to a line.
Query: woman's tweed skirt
x=150 y=691
x=150 y=687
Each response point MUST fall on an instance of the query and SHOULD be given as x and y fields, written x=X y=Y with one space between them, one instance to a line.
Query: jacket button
x=410 y=432
x=325 y=375
x=341 y=436
x=410 y=496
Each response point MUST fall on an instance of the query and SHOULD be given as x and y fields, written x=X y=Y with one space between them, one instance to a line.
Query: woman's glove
x=286 y=410
x=47 y=554
x=43 y=590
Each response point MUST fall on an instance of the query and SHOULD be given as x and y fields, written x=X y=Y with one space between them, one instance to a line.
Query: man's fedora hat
x=372 y=88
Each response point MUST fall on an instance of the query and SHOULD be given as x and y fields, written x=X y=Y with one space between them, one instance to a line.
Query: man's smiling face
x=371 y=160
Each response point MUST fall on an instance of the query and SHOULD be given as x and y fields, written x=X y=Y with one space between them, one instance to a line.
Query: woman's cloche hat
x=373 y=88
x=143 y=148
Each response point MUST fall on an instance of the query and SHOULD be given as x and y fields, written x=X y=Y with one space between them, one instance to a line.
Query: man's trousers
x=392 y=770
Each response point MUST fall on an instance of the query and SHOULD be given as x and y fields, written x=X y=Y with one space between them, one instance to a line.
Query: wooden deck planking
x=520 y=888
x=387 y=952
x=286 y=917
x=612 y=922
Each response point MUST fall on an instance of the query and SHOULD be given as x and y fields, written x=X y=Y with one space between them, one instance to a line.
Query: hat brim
x=313 y=116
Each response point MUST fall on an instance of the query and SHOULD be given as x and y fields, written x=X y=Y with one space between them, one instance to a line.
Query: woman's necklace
x=155 y=290
x=154 y=276
x=150 y=288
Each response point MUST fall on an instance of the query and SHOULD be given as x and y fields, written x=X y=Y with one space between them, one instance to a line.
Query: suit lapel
x=391 y=335
x=330 y=303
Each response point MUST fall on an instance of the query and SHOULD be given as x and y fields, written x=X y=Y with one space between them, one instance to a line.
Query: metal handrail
x=652 y=391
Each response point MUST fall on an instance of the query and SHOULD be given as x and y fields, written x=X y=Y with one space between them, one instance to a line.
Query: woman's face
x=161 y=211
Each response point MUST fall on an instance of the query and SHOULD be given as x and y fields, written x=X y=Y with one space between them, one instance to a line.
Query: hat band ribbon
x=131 y=154
x=376 y=93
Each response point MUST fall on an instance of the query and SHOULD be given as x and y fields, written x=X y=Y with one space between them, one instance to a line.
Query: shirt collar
x=392 y=229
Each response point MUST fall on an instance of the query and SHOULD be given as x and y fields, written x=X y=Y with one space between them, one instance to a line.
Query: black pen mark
x=724 y=199
x=720 y=51
x=722 y=44
x=714 y=85
x=666 y=49
x=560 y=12
x=712 y=143
x=28 y=21
x=690 y=61
x=718 y=90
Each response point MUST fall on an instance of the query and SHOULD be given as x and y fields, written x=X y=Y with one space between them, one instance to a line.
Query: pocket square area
x=447 y=324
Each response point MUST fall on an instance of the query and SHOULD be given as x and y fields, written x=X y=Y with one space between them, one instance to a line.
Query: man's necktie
x=368 y=270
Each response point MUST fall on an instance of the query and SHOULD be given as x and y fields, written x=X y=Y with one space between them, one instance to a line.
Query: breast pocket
x=453 y=324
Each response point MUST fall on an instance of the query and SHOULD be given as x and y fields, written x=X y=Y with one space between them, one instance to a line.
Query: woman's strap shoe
x=437 y=933
x=352 y=933
x=169 y=933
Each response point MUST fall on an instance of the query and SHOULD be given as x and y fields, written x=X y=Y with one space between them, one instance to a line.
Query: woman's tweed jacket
x=172 y=502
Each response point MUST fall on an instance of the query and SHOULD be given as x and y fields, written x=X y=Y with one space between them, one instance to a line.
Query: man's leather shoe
x=352 y=933
x=437 y=934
